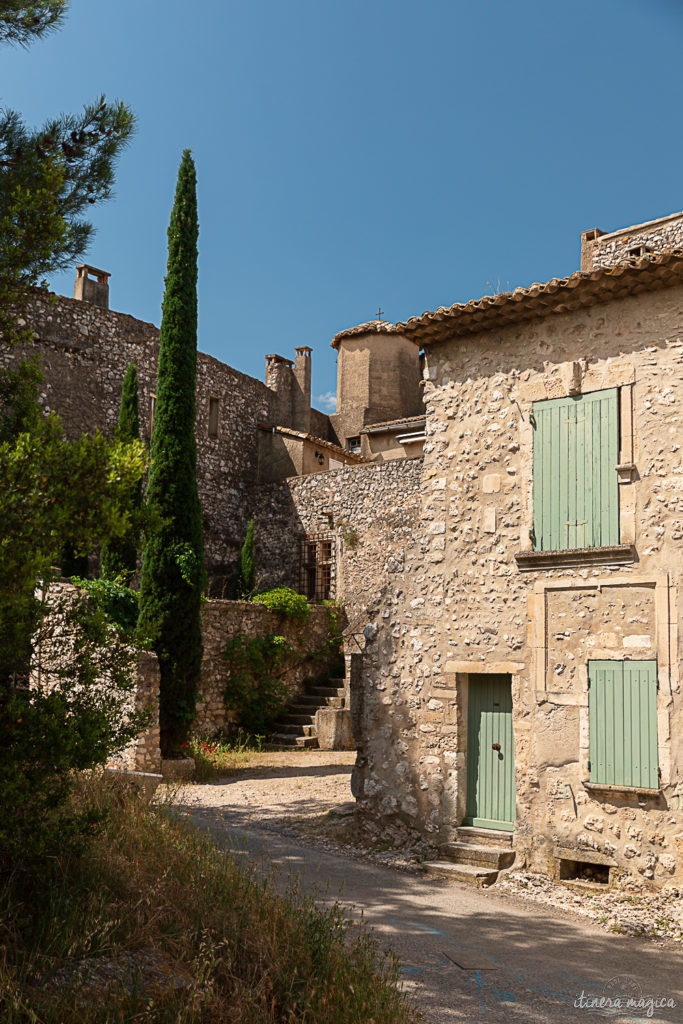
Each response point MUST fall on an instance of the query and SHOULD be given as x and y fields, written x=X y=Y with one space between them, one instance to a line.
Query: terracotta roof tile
x=321 y=442
x=559 y=295
x=372 y=327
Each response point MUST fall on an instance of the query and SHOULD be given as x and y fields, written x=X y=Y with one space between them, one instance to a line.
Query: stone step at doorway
x=475 y=856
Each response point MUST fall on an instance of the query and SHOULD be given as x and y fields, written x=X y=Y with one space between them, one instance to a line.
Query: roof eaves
x=559 y=295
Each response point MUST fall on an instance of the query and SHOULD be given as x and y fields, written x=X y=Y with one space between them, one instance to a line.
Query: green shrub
x=118 y=602
x=255 y=690
x=74 y=718
x=287 y=602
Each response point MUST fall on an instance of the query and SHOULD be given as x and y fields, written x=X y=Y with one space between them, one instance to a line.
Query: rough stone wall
x=85 y=351
x=615 y=247
x=222 y=620
x=460 y=604
x=53 y=650
x=370 y=512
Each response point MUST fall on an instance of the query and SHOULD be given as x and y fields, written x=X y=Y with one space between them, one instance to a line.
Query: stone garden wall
x=223 y=620
x=53 y=649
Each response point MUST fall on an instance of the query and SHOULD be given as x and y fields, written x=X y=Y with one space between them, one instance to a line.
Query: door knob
x=495 y=746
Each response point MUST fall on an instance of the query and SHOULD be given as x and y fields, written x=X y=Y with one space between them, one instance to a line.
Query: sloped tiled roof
x=319 y=441
x=372 y=327
x=559 y=295
x=389 y=424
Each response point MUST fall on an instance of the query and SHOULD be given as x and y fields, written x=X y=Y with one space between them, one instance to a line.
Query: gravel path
x=307 y=795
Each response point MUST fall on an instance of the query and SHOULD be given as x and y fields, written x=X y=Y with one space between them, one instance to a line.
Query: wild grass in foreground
x=156 y=924
x=216 y=758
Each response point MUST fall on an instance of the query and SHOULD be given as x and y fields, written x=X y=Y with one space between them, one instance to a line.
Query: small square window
x=213 y=417
x=353 y=444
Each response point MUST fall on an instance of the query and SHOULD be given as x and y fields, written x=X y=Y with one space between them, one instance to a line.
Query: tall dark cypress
x=120 y=556
x=173 y=557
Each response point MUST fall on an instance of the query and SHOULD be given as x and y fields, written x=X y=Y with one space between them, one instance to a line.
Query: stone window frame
x=566 y=380
x=665 y=646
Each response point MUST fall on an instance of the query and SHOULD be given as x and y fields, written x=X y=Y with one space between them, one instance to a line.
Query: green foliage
x=53 y=491
x=255 y=690
x=21 y=21
x=73 y=718
x=118 y=603
x=285 y=601
x=120 y=557
x=247 y=563
x=173 y=557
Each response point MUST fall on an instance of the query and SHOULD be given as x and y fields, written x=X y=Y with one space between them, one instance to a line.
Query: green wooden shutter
x=576 y=450
x=622 y=722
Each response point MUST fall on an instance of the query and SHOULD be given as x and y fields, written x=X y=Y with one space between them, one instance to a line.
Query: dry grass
x=156 y=924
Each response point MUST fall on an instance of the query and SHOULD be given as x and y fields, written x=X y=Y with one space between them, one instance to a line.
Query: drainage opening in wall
x=584 y=871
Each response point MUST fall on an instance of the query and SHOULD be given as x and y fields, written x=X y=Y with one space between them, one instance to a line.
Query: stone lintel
x=486 y=667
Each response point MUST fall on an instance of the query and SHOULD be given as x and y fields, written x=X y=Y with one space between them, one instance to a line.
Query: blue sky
x=357 y=154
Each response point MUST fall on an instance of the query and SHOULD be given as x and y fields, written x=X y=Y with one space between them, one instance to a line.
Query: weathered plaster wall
x=461 y=605
x=222 y=620
x=370 y=512
x=85 y=351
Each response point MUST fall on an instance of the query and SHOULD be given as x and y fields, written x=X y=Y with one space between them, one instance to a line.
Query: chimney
x=88 y=290
x=302 y=401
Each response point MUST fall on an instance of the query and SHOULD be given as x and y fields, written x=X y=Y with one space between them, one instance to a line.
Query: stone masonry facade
x=466 y=603
x=369 y=513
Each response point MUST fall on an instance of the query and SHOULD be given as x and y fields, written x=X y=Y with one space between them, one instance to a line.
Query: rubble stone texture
x=461 y=604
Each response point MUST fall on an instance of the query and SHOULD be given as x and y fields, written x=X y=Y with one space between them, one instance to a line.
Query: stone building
x=497 y=503
x=521 y=695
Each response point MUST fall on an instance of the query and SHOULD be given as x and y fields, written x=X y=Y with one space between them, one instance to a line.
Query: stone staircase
x=475 y=857
x=295 y=728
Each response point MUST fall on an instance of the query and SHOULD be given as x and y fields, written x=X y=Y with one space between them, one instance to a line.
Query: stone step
x=295 y=718
x=312 y=703
x=483 y=856
x=484 y=836
x=294 y=730
x=339 y=683
x=325 y=691
x=283 y=741
x=470 y=874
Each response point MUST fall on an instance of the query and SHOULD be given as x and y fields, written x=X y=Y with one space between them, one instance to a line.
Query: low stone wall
x=54 y=647
x=223 y=620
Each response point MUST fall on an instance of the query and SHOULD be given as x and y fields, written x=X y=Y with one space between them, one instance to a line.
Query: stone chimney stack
x=302 y=392
x=88 y=290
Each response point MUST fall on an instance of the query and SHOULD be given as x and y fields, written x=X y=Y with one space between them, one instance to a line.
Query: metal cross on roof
x=379 y=313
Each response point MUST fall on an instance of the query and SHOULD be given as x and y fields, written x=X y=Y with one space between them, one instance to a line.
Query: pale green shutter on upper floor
x=576 y=450
x=622 y=722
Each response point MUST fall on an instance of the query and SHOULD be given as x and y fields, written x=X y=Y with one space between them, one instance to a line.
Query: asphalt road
x=476 y=956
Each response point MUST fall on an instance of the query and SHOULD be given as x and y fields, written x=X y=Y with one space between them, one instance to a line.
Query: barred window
x=316 y=570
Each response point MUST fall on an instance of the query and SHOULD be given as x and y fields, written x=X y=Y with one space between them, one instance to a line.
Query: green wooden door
x=490 y=772
x=576 y=492
x=622 y=721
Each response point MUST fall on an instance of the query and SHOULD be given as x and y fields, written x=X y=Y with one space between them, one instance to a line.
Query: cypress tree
x=247 y=563
x=120 y=556
x=173 y=557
